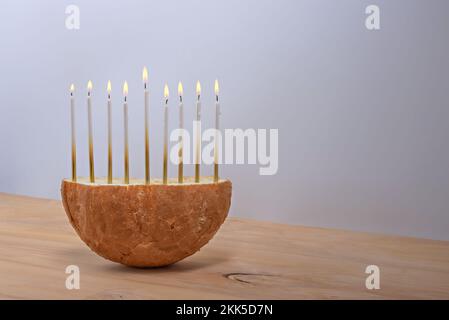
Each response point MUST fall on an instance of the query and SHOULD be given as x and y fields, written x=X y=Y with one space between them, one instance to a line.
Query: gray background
x=362 y=116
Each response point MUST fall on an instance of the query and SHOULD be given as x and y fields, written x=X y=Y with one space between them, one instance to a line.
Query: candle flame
x=89 y=86
x=198 y=88
x=166 y=92
x=125 y=89
x=145 y=75
x=180 y=89
x=109 y=87
x=72 y=88
x=216 y=87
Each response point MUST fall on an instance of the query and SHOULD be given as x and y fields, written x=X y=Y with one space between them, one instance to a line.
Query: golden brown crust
x=146 y=225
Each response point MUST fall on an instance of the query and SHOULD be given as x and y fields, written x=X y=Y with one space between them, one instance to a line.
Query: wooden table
x=246 y=260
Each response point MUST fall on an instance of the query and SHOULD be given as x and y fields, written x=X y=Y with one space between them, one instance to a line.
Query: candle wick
x=198 y=97
x=180 y=98
x=216 y=97
x=145 y=85
x=166 y=101
x=125 y=98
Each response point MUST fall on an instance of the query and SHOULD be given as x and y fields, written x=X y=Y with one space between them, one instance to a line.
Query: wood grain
x=246 y=260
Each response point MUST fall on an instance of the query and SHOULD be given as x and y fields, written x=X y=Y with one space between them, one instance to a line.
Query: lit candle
x=109 y=134
x=72 y=121
x=165 y=177
x=217 y=128
x=181 y=137
x=198 y=136
x=147 y=136
x=91 y=142
x=125 y=119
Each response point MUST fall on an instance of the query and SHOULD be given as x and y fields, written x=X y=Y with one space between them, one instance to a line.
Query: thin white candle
x=165 y=166
x=109 y=134
x=198 y=136
x=125 y=121
x=147 y=127
x=72 y=122
x=90 y=133
x=217 y=128
x=181 y=136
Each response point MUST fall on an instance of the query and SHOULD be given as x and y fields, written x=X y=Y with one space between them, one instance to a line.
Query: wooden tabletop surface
x=247 y=259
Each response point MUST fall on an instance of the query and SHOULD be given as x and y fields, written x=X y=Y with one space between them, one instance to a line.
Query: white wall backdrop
x=363 y=116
